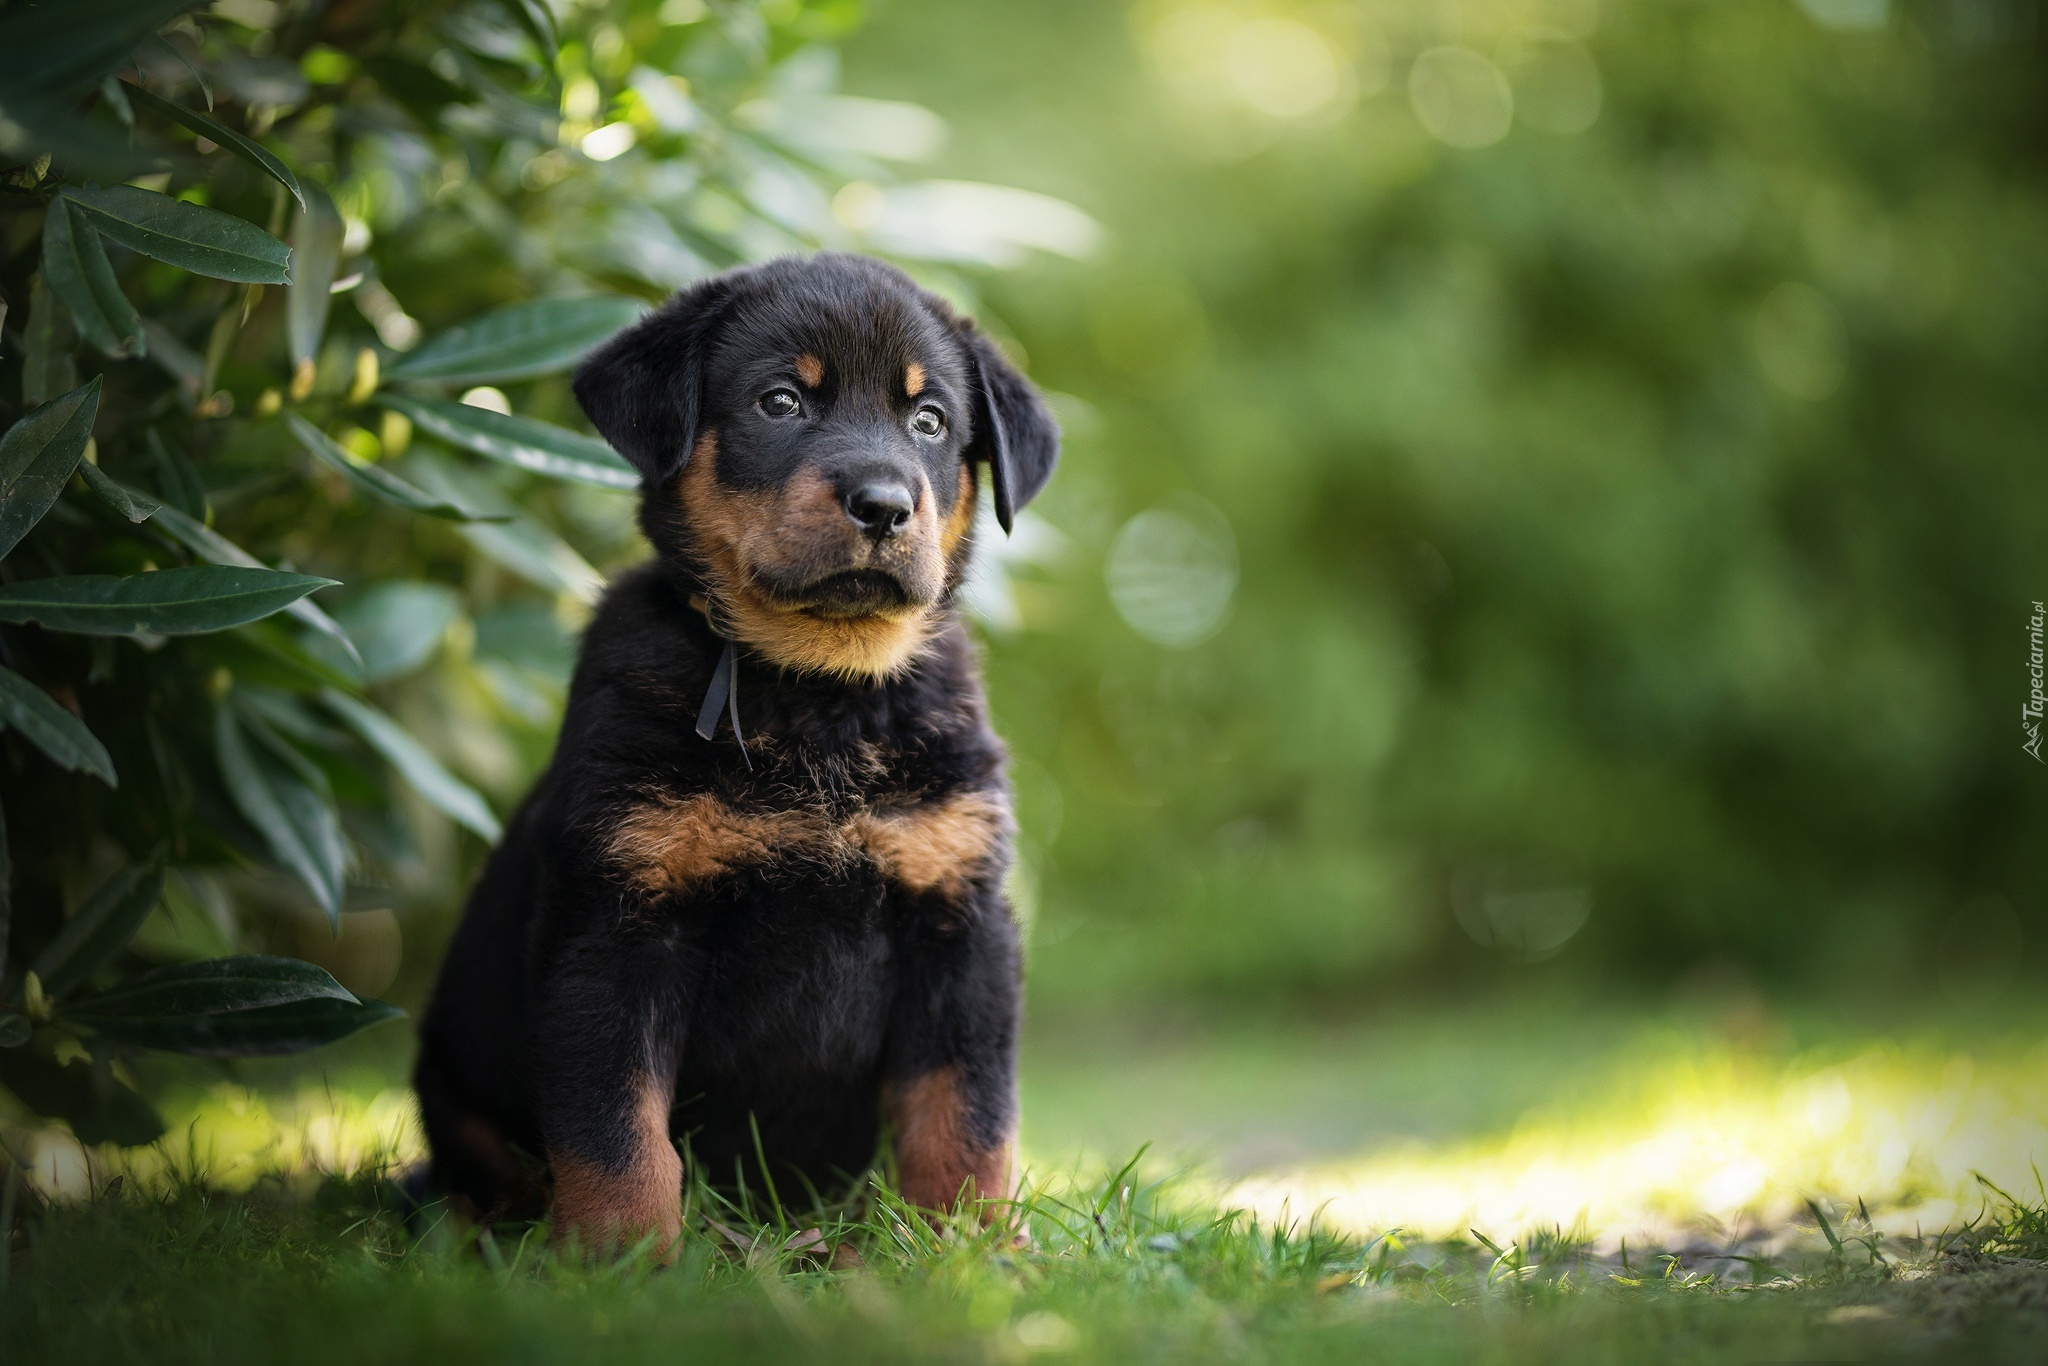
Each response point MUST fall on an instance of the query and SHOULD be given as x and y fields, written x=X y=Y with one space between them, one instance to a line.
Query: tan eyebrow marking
x=913 y=379
x=810 y=370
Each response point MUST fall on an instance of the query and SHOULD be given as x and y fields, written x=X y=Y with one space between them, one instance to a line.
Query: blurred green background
x=1544 y=481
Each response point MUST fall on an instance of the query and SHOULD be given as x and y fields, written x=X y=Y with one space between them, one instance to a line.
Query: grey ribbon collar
x=724 y=692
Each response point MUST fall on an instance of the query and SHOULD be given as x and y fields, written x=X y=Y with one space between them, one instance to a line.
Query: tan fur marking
x=670 y=844
x=961 y=519
x=810 y=370
x=734 y=532
x=913 y=379
x=936 y=1164
x=673 y=843
x=938 y=846
x=605 y=1211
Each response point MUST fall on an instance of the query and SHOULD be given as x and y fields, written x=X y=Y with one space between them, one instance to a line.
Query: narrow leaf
x=6 y=893
x=297 y=822
x=377 y=481
x=247 y=148
x=287 y=1027
x=168 y=602
x=177 y=478
x=37 y=456
x=213 y=987
x=101 y=927
x=448 y=794
x=47 y=368
x=204 y=241
x=136 y=507
x=209 y=545
x=539 y=21
x=531 y=445
x=522 y=545
x=77 y=268
x=519 y=342
x=316 y=247
x=53 y=730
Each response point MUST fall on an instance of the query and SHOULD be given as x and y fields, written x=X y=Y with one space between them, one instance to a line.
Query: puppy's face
x=810 y=432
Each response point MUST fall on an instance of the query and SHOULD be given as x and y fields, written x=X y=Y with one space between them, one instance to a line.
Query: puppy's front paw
x=607 y=1212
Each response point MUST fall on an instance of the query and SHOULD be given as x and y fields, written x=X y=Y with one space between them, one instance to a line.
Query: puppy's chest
x=930 y=846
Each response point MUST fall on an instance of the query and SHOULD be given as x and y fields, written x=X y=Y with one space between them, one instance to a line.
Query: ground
x=1569 y=1183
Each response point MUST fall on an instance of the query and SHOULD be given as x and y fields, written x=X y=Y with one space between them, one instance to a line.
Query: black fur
x=782 y=997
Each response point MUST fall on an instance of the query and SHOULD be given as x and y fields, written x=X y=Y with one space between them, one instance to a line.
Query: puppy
x=755 y=904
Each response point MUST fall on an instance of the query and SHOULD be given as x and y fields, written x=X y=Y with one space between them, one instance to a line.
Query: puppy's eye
x=928 y=422
x=780 y=403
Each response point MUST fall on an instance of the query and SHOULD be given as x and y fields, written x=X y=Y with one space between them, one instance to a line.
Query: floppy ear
x=644 y=389
x=1013 y=430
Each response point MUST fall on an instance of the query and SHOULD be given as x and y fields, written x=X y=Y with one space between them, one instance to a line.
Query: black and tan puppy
x=801 y=934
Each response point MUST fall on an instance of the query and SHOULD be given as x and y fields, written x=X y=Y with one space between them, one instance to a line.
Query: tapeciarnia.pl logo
x=2030 y=714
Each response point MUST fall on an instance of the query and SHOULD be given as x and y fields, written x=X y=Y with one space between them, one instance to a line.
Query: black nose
x=880 y=509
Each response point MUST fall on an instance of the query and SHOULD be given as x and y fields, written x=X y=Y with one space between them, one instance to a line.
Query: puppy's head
x=809 y=434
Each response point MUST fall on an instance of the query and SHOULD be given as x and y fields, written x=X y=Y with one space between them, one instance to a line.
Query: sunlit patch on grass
x=230 y=1138
x=1719 y=1142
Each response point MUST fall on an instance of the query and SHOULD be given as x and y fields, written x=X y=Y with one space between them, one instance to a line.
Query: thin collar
x=724 y=692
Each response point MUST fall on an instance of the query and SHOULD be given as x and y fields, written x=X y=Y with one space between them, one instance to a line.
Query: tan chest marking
x=670 y=844
x=936 y=847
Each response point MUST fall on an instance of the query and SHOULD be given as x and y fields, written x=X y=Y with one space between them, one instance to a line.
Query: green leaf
x=47 y=368
x=14 y=1030
x=136 y=507
x=295 y=819
x=289 y=1027
x=101 y=927
x=77 y=268
x=86 y=1095
x=398 y=625
x=379 y=482
x=37 y=456
x=539 y=22
x=53 y=730
x=6 y=893
x=242 y=1006
x=168 y=602
x=448 y=794
x=519 y=342
x=209 y=545
x=247 y=148
x=212 y=987
x=57 y=49
x=204 y=241
x=177 y=478
x=316 y=247
x=522 y=545
x=531 y=445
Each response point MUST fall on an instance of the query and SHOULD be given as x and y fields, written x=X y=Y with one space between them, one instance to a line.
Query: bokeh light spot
x=1282 y=68
x=1172 y=571
x=1461 y=97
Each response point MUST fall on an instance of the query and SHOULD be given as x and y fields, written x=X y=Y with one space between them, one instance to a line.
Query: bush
x=289 y=585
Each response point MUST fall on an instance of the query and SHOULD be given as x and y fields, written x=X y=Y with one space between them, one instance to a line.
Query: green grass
x=236 y=1241
x=1116 y=1270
